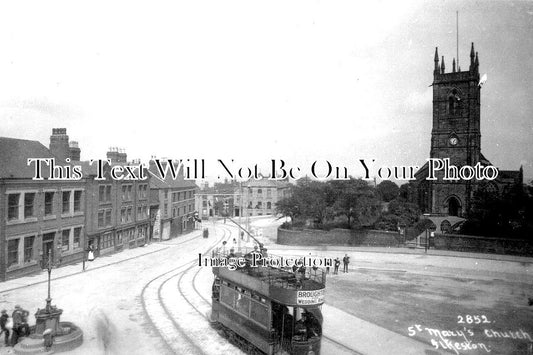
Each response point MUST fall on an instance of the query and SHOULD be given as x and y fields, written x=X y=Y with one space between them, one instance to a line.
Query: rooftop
x=14 y=155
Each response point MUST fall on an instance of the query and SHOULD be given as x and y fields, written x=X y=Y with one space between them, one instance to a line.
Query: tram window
x=227 y=296
x=242 y=304
x=259 y=313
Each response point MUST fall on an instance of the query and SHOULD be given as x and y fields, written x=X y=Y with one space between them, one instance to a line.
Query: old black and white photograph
x=266 y=177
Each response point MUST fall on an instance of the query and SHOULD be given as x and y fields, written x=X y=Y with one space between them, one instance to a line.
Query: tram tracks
x=164 y=307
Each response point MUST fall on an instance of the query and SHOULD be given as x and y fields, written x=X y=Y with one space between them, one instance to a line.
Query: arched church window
x=451 y=105
x=454 y=207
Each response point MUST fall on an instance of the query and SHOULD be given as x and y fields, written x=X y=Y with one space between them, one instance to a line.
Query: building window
x=259 y=191
x=48 y=203
x=259 y=204
x=123 y=215
x=142 y=191
x=119 y=238
x=269 y=193
x=65 y=239
x=108 y=217
x=129 y=188
x=29 y=199
x=101 y=193
x=12 y=252
x=77 y=200
x=107 y=241
x=28 y=249
x=451 y=104
x=13 y=206
x=104 y=193
x=130 y=217
x=66 y=201
x=76 y=240
x=101 y=218
x=269 y=205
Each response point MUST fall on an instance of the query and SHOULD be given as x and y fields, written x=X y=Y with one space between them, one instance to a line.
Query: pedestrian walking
x=4 y=318
x=346 y=261
x=336 y=265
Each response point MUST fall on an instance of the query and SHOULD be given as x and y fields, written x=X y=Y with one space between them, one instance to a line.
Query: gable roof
x=14 y=155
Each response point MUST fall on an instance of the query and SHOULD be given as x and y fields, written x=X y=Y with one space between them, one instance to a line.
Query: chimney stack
x=117 y=155
x=59 y=144
x=75 y=151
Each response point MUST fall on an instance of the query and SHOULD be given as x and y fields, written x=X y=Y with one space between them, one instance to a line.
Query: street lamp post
x=49 y=269
x=55 y=335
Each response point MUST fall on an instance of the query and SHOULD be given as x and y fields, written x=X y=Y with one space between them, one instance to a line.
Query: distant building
x=259 y=197
x=456 y=135
x=218 y=200
x=174 y=214
x=38 y=217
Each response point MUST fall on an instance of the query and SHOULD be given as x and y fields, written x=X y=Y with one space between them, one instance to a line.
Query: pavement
x=408 y=251
x=98 y=263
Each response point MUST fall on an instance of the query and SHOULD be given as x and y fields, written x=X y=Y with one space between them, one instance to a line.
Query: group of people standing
x=337 y=263
x=18 y=324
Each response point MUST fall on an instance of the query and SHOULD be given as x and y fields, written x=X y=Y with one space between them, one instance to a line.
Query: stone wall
x=475 y=244
x=338 y=237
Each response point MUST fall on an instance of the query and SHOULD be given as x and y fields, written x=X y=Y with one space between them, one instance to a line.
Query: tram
x=268 y=310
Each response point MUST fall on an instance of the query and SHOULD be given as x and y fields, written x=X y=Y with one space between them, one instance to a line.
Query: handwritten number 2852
x=468 y=319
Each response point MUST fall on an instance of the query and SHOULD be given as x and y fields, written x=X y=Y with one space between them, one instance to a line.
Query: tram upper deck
x=284 y=284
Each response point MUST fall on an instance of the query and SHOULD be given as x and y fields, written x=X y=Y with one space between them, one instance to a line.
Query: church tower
x=456 y=131
x=456 y=136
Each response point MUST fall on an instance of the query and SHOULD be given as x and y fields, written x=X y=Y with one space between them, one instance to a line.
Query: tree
x=288 y=207
x=400 y=214
x=308 y=200
x=409 y=213
x=388 y=190
x=356 y=200
x=509 y=214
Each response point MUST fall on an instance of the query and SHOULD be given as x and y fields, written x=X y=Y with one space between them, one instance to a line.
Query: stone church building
x=456 y=135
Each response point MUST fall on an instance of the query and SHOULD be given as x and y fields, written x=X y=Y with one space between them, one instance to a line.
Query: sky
x=251 y=81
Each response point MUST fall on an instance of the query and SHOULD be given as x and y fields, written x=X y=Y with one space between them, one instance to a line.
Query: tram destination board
x=310 y=297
